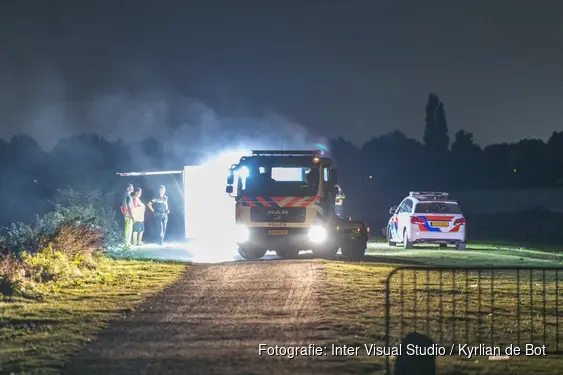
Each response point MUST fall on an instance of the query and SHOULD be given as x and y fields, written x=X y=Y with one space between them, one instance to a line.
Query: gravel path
x=213 y=320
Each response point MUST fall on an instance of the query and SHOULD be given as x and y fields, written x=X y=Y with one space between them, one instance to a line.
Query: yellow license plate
x=278 y=232
x=440 y=224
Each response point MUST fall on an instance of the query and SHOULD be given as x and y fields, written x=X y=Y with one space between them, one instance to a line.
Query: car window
x=401 y=207
x=437 y=208
x=408 y=206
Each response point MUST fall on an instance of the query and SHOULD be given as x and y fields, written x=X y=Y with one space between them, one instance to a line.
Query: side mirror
x=229 y=189
x=231 y=176
x=393 y=209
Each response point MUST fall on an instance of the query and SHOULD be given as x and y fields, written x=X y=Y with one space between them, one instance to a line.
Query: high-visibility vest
x=339 y=198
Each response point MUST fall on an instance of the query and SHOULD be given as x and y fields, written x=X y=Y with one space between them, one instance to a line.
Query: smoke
x=188 y=129
x=206 y=133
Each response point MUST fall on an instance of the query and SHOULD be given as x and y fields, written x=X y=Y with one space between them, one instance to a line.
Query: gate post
x=420 y=364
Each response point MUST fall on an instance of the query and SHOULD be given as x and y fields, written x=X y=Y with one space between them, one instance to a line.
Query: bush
x=11 y=272
x=58 y=247
x=79 y=221
x=75 y=237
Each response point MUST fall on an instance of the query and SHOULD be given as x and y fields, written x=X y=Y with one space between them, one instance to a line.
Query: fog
x=188 y=127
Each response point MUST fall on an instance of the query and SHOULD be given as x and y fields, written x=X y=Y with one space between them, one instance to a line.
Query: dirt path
x=212 y=322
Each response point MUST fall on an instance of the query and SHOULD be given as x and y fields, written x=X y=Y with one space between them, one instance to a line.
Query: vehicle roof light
x=429 y=194
x=285 y=153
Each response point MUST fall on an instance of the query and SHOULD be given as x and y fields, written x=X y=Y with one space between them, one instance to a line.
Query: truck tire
x=288 y=254
x=325 y=252
x=354 y=249
x=461 y=246
x=251 y=253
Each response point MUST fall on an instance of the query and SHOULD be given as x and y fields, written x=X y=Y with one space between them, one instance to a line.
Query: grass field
x=40 y=333
x=448 y=307
x=480 y=254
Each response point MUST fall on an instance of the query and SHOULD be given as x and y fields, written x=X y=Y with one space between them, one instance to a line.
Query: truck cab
x=285 y=202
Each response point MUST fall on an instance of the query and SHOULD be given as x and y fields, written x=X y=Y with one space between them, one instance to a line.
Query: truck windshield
x=279 y=181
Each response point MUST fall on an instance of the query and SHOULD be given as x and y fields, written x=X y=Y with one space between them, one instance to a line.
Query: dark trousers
x=161 y=222
x=339 y=210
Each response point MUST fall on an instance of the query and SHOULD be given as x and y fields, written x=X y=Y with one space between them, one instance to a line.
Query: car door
x=404 y=216
x=394 y=223
x=391 y=228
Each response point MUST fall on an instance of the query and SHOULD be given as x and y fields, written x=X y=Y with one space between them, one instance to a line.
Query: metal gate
x=496 y=307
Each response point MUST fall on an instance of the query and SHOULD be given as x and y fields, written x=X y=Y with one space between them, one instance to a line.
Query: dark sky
x=353 y=68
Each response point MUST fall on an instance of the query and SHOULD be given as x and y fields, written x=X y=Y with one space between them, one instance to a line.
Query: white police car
x=427 y=218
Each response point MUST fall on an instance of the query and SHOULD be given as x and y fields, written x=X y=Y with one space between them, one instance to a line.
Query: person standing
x=159 y=206
x=138 y=217
x=127 y=210
x=339 y=202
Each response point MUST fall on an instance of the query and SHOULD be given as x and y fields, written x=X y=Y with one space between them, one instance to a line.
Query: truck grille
x=278 y=215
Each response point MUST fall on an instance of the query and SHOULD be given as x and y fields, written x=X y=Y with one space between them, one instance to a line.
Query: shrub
x=83 y=221
x=59 y=247
x=75 y=237
x=50 y=265
x=11 y=272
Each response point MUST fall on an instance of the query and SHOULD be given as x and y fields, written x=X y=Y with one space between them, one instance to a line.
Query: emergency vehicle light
x=286 y=153
x=130 y=174
x=429 y=193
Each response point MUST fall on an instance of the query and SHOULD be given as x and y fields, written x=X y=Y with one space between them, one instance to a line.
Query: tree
x=464 y=145
x=466 y=158
x=555 y=150
x=436 y=137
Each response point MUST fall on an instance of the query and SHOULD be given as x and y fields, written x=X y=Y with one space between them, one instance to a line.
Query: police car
x=427 y=218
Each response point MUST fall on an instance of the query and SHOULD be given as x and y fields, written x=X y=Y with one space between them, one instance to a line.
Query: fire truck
x=285 y=202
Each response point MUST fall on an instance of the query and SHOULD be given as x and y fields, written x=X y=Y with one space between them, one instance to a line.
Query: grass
x=36 y=335
x=354 y=301
x=480 y=254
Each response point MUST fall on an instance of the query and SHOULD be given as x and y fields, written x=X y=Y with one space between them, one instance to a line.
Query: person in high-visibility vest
x=127 y=211
x=339 y=201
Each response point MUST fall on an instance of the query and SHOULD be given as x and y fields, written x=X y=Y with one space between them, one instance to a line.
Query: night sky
x=351 y=68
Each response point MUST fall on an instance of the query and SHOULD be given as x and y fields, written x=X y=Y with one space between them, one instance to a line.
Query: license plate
x=278 y=232
x=440 y=224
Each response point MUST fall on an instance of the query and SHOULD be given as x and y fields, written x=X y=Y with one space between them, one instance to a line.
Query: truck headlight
x=317 y=234
x=242 y=234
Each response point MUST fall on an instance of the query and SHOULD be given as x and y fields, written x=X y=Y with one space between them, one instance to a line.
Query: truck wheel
x=288 y=254
x=460 y=246
x=249 y=253
x=354 y=249
x=325 y=252
x=390 y=241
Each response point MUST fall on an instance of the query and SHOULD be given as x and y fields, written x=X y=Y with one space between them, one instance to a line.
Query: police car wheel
x=390 y=241
x=406 y=243
x=251 y=253
x=460 y=246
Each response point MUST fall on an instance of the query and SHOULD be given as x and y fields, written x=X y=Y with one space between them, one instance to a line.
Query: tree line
x=30 y=176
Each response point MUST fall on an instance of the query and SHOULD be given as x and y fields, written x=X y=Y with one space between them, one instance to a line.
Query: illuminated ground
x=474 y=255
x=214 y=318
